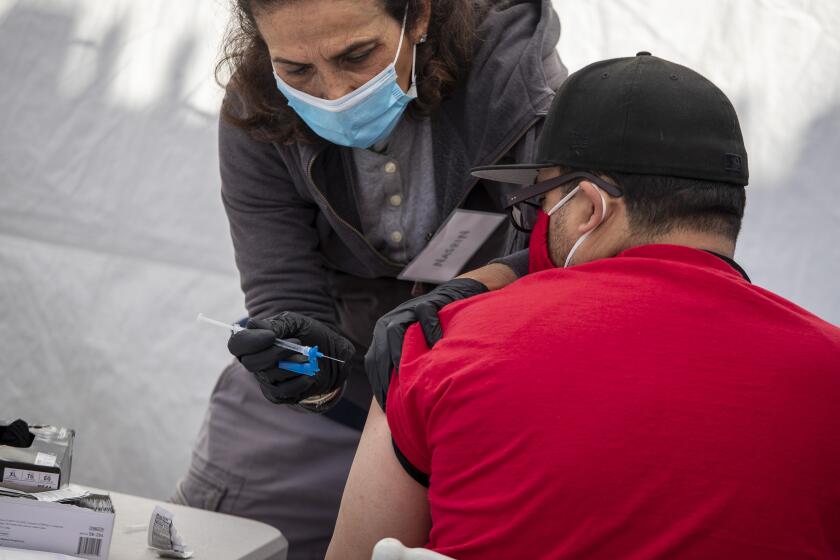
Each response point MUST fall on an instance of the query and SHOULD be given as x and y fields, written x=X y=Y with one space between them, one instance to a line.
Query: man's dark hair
x=657 y=204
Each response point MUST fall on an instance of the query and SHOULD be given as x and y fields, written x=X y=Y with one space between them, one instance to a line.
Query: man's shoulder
x=473 y=328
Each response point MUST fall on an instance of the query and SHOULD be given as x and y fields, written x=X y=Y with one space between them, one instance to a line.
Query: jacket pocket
x=205 y=487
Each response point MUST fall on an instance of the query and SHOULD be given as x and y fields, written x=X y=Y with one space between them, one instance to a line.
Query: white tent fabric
x=113 y=238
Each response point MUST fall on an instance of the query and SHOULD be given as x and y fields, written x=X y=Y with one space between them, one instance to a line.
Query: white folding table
x=213 y=536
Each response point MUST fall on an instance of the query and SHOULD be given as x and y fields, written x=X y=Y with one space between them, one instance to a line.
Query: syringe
x=310 y=351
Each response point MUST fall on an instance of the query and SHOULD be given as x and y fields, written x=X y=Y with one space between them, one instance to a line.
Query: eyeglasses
x=522 y=205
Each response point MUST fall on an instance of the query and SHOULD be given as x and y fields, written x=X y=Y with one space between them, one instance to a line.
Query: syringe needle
x=331 y=358
x=277 y=341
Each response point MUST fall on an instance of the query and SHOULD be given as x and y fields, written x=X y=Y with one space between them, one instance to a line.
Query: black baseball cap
x=639 y=114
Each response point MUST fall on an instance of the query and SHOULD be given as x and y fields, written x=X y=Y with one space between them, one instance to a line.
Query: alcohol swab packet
x=163 y=538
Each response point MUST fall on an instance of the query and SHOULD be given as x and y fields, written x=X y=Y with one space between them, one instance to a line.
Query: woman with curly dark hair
x=347 y=134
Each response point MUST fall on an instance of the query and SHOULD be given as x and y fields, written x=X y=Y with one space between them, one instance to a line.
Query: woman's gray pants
x=269 y=462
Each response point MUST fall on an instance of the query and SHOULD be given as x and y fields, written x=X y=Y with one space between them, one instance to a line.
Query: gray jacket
x=294 y=221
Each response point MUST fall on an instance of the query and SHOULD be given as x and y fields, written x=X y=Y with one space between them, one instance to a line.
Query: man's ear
x=597 y=204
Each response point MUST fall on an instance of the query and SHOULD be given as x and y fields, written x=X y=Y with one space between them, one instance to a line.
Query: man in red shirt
x=635 y=396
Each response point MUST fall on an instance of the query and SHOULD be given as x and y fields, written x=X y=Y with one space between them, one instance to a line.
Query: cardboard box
x=55 y=527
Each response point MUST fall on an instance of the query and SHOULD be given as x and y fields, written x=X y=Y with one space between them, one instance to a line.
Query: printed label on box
x=90 y=542
x=24 y=477
x=45 y=460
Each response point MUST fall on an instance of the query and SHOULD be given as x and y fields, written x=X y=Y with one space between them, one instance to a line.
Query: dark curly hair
x=253 y=102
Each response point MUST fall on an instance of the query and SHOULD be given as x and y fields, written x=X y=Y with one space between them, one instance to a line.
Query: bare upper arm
x=380 y=499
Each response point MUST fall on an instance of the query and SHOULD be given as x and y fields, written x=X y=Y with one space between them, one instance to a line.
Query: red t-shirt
x=651 y=405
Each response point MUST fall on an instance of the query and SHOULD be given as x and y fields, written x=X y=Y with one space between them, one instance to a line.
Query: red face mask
x=538 y=256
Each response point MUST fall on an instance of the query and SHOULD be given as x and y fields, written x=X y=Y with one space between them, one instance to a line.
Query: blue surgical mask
x=364 y=116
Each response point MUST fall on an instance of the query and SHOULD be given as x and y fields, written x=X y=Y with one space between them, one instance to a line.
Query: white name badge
x=452 y=246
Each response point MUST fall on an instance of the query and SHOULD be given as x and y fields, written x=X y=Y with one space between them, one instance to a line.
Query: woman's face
x=328 y=48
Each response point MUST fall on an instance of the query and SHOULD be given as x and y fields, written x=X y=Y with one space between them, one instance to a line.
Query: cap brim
x=518 y=173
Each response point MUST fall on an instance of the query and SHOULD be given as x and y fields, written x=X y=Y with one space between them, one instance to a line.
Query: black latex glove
x=16 y=434
x=254 y=346
x=385 y=350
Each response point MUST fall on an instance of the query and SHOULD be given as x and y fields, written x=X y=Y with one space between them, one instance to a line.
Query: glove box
x=35 y=458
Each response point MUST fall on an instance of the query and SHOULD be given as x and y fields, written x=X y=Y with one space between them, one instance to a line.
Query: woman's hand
x=386 y=348
x=255 y=349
